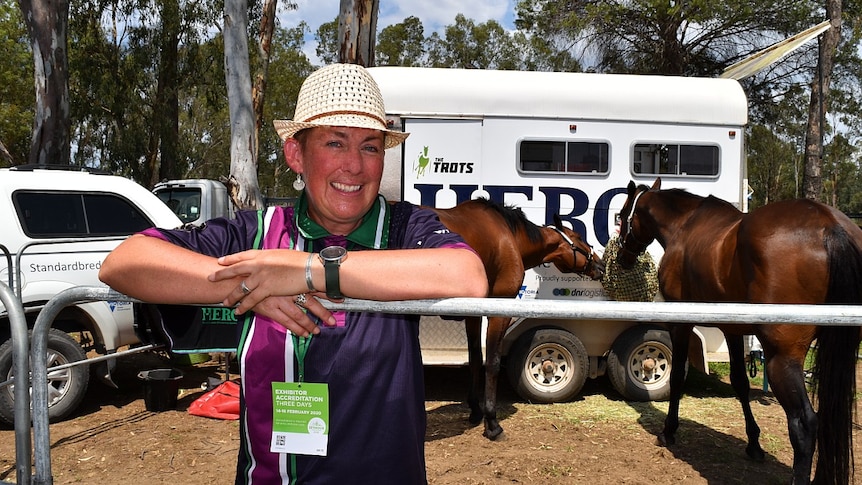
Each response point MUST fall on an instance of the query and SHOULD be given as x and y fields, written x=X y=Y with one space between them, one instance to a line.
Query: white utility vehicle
x=59 y=223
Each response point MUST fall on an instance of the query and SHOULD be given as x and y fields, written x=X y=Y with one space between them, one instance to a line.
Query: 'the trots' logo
x=425 y=162
x=421 y=162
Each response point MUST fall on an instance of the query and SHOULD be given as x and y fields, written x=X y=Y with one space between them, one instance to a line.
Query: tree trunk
x=357 y=30
x=243 y=184
x=258 y=93
x=47 y=23
x=812 y=178
x=168 y=99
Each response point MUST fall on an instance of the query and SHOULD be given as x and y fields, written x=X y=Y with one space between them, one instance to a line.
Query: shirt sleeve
x=216 y=237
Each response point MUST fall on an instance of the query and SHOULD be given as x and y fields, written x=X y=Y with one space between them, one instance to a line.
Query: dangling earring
x=299 y=184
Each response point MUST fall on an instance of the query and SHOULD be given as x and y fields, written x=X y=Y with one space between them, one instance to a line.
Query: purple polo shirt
x=371 y=362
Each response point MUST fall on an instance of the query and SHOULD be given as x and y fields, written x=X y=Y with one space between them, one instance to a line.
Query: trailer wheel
x=548 y=365
x=639 y=364
x=66 y=388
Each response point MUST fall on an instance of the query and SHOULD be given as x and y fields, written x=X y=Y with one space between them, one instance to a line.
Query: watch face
x=333 y=253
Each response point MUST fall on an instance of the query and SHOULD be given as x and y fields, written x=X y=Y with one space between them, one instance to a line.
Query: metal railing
x=659 y=312
x=20 y=366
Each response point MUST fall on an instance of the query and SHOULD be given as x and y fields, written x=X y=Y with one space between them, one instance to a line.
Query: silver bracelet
x=308 y=280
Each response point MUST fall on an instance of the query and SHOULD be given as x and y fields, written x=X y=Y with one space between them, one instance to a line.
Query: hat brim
x=288 y=128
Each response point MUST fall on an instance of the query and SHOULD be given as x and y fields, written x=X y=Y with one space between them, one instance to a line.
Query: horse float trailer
x=564 y=144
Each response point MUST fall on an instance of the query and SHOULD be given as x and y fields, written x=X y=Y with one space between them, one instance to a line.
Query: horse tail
x=835 y=364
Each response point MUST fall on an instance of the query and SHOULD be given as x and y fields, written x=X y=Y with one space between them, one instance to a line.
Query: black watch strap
x=332 y=257
x=333 y=283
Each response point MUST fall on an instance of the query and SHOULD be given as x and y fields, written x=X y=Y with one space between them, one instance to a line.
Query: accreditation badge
x=300 y=418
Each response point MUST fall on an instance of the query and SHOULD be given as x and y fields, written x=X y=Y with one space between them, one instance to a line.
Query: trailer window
x=70 y=214
x=670 y=159
x=563 y=156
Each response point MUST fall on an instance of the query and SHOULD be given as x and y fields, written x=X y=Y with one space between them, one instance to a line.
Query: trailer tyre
x=66 y=388
x=548 y=365
x=639 y=364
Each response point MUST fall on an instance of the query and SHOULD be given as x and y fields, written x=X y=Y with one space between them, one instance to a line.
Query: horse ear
x=631 y=187
x=657 y=184
x=557 y=221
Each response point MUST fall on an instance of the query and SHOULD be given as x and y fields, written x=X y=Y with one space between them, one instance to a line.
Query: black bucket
x=161 y=388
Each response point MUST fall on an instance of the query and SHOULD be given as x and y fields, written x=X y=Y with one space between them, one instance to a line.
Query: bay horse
x=509 y=244
x=794 y=251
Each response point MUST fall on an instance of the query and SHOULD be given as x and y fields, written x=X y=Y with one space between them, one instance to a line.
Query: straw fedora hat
x=339 y=95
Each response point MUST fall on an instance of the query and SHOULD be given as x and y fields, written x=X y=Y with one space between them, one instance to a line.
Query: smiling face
x=342 y=168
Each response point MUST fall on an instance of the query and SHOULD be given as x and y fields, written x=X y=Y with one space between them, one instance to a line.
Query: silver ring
x=300 y=299
x=245 y=289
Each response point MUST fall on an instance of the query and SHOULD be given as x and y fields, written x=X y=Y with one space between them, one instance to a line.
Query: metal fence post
x=21 y=368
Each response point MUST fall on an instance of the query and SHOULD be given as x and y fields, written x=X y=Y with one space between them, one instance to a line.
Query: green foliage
x=327 y=42
x=401 y=44
x=704 y=37
x=17 y=94
x=699 y=37
x=774 y=166
x=115 y=63
x=288 y=69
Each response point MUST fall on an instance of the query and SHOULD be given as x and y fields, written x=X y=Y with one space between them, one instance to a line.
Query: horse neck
x=667 y=211
x=533 y=253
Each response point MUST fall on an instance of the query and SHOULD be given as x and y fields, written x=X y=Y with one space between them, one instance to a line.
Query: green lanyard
x=300 y=345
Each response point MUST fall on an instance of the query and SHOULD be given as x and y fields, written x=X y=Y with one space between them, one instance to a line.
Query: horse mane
x=709 y=201
x=515 y=218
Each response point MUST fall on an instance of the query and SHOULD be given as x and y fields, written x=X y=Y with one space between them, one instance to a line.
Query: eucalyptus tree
x=697 y=38
x=812 y=182
x=131 y=66
x=327 y=41
x=702 y=38
x=16 y=87
x=401 y=44
x=357 y=31
x=774 y=165
x=288 y=68
x=47 y=24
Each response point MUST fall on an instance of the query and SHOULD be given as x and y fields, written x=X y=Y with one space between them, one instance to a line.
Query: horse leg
x=679 y=335
x=742 y=387
x=788 y=384
x=493 y=348
x=473 y=328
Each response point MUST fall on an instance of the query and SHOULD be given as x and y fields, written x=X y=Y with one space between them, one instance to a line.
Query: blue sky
x=434 y=14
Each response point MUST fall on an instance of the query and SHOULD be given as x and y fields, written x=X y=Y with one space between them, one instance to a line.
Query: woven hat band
x=345 y=112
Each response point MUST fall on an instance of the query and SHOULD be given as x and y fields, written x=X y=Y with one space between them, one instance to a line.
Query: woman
x=341 y=402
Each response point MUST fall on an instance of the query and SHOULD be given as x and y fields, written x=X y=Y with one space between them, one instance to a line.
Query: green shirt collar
x=372 y=233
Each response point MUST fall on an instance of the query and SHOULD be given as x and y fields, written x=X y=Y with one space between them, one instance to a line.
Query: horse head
x=574 y=255
x=634 y=236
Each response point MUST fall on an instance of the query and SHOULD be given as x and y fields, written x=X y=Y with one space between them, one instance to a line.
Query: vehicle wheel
x=66 y=388
x=639 y=364
x=548 y=365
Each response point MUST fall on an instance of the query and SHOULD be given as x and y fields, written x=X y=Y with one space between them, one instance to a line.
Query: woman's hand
x=289 y=312
x=264 y=273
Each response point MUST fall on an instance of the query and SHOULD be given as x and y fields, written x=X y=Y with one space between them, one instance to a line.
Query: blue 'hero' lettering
x=553 y=202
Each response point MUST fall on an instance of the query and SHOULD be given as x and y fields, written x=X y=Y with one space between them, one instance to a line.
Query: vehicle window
x=671 y=159
x=574 y=157
x=69 y=214
x=185 y=202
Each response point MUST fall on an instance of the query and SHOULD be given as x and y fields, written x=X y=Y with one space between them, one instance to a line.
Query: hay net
x=640 y=283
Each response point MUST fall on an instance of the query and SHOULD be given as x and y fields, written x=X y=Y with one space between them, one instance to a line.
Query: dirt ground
x=599 y=438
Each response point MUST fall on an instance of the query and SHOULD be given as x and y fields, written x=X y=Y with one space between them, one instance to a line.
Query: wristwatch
x=332 y=257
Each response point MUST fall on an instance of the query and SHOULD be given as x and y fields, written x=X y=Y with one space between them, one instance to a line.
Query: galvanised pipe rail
x=661 y=312
x=21 y=367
